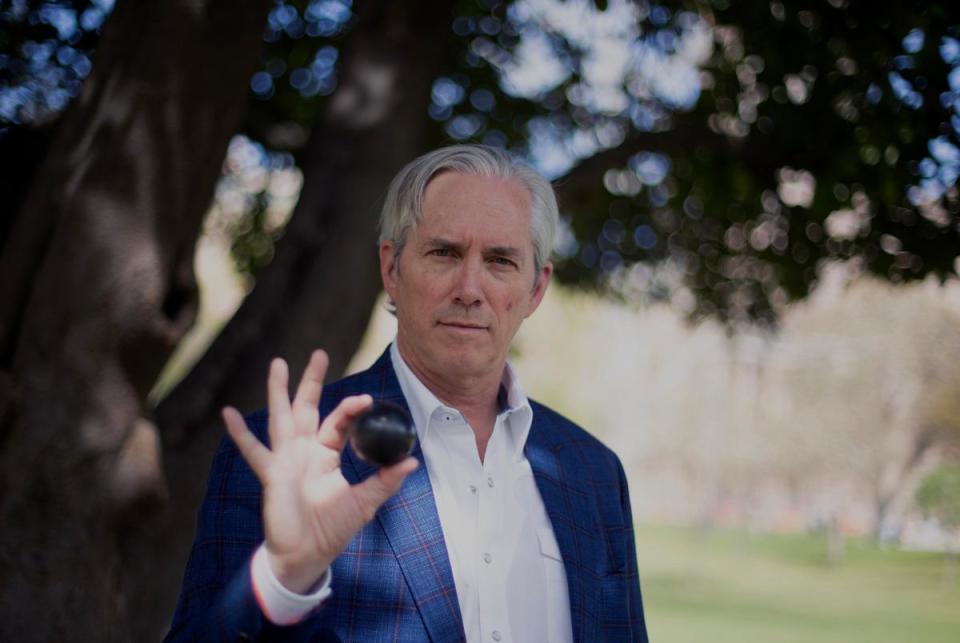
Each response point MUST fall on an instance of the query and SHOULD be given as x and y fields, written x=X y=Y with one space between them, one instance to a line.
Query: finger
x=377 y=489
x=280 y=425
x=252 y=450
x=335 y=429
x=306 y=413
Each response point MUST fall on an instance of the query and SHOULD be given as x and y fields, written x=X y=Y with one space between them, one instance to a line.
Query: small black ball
x=383 y=435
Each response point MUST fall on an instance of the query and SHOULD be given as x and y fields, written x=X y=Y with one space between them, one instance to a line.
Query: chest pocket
x=555 y=577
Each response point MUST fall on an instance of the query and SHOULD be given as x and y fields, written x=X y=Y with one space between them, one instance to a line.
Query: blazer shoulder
x=563 y=432
x=355 y=384
x=379 y=381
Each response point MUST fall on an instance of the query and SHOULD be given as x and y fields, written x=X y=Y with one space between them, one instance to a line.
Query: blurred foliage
x=45 y=53
x=255 y=198
x=711 y=152
x=814 y=123
x=939 y=495
x=303 y=41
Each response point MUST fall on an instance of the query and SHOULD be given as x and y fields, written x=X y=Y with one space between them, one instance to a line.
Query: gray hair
x=403 y=206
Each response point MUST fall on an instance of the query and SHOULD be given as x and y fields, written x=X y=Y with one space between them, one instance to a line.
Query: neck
x=473 y=394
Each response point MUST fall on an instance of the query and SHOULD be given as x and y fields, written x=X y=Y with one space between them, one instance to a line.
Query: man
x=508 y=523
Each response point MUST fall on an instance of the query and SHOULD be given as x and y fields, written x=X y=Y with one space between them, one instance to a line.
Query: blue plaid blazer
x=394 y=582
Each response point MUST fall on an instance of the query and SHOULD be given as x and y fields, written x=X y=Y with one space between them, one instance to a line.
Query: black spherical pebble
x=383 y=435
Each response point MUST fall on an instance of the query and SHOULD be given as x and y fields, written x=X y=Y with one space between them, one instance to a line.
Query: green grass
x=729 y=586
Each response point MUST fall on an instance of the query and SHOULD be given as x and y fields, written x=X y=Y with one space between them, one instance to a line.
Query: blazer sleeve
x=634 y=601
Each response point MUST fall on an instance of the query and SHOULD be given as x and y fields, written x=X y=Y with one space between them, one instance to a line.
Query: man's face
x=464 y=280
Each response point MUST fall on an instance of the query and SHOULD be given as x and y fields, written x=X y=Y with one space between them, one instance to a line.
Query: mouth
x=466 y=327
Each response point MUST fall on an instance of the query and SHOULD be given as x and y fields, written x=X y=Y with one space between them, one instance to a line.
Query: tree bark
x=97 y=289
x=324 y=280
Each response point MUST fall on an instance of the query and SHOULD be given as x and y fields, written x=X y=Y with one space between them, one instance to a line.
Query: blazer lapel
x=572 y=513
x=412 y=526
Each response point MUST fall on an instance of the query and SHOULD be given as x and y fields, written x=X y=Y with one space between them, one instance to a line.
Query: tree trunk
x=949 y=578
x=836 y=541
x=97 y=289
x=893 y=492
x=324 y=280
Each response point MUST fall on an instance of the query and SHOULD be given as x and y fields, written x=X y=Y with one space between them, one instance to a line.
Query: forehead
x=495 y=208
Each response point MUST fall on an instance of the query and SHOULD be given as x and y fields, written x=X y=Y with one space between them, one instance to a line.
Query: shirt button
x=495 y=635
x=473 y=488
x=487 y=558
x=490 y=482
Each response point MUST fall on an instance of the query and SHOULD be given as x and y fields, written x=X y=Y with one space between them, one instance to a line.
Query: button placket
x=494 y=567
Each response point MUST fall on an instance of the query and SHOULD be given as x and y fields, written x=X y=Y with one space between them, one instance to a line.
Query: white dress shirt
x=507 y=569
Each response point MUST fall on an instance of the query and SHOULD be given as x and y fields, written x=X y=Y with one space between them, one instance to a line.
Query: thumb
x=375 y=490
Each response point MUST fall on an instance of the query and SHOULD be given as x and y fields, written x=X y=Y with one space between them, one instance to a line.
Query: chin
x=468 y=361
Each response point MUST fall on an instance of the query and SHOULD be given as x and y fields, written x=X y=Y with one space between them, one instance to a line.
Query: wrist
x=297 y=576
x=278 y=604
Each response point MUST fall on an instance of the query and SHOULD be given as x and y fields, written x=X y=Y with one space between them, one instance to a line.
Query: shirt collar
x=514 y=406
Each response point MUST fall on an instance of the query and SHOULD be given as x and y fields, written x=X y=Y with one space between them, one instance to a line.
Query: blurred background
x=756 y=301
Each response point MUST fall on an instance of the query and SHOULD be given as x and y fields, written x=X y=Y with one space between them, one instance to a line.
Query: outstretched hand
x=310 y=511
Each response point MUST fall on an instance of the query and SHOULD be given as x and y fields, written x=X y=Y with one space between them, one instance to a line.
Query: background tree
x=96 y=284
x=686 y=138
x=860 y=386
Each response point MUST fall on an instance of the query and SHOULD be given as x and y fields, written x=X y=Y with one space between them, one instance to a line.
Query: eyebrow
x=505 y=251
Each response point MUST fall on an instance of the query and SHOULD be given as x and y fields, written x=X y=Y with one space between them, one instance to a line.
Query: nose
x=468 y=291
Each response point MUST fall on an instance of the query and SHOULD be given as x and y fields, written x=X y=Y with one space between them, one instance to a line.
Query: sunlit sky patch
x=624 y=76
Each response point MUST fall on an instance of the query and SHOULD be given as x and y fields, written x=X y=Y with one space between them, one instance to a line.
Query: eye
x=440 y=252
x=503 y=261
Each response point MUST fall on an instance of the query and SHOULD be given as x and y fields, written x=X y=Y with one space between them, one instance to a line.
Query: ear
x=540 y=288
x=388 y=267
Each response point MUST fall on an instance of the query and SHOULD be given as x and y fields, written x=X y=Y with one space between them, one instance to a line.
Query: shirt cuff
x=279 y=604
